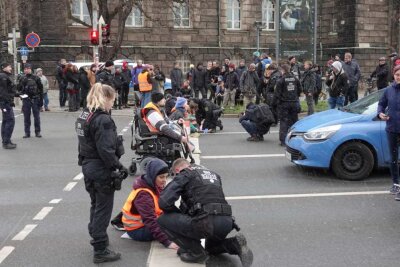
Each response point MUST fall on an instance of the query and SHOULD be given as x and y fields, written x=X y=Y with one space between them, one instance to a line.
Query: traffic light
x=94 y=37
x=105 y=32
x=7 y=46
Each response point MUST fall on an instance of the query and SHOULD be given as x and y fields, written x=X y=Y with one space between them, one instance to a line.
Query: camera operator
x=99 y=152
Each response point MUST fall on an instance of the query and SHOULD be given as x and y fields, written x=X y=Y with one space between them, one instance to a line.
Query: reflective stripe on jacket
x=144 y=85
x=134 y=221
x=145 y=111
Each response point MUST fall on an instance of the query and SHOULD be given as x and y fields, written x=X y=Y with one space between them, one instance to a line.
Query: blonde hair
x=179 y=163
x=98 y=95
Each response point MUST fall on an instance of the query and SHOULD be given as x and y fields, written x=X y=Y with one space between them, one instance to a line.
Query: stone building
x=162 y=31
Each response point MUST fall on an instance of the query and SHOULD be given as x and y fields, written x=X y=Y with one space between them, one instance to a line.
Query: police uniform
x=204 y=213
x=7 y=93
x=210 y=113
x=286 y=98
x=31 y=86
x=105 y=77
x=99 y=153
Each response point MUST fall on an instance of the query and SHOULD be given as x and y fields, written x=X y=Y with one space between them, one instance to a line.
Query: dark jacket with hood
x=144 y=203
x=338 y=85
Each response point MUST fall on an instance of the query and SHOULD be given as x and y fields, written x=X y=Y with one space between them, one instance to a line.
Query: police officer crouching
x=204 y=213
x=99 y=152
x=30 y=88
x=7 y=94
x=286 y=98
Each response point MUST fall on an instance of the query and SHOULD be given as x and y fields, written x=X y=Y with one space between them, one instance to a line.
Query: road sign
x=32 y=39
x=24 y=51
x=17 y=35
x=24 y=59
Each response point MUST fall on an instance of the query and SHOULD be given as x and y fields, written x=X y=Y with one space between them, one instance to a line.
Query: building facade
x=162 y=32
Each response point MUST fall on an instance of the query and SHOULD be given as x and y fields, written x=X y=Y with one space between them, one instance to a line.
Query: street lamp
x=259 y=26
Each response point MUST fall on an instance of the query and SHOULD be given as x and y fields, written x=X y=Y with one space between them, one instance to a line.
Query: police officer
x=106 y=75
x=204 y=213
x=286 y=98
x=7 y=93
x=31 y=90
x=208 y=115
x=99 y=153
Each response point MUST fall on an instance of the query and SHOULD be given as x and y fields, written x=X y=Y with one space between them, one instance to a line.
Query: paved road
x=282 y=230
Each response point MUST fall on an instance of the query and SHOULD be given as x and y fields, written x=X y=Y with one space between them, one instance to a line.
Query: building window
x=184 y=64
x=135 y=19
x=233 y=15
x=268 y=14
x=80 y=11
x=334 y=26
x=181 y=15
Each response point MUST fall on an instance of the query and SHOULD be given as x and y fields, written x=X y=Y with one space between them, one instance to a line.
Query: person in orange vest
x=145 y=85
x=141 y=210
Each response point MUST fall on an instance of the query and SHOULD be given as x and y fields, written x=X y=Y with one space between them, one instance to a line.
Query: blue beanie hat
x=180 y=102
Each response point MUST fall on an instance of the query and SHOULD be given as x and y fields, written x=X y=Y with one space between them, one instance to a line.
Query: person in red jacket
x=141 y=210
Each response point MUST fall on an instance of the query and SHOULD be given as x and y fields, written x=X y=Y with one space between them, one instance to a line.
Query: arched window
x=268 y=14
x=135 y=19
x=233 y=15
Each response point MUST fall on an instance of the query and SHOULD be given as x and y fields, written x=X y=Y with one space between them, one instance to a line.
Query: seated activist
x=180 y=111
x=157 y=121
x=141 y=209
x=257 y=120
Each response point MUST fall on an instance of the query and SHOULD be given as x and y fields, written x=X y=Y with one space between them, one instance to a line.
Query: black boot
x=219 y=124
x=238 y=246
x=9 y=146
x=105 y=255
x=191 y=257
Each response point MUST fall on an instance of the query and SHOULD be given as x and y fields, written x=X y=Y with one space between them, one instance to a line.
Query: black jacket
x=308 y=82
x=105 y=77
x=23 y=81
x=72 y=77
x=338 y=85
x=382 y=74
x=199 y=78
x=60 y=74
x=176 y=76
x=249 y=114
x=288 y=89
x=84 y=82
x=231 y=80
x=7 y=88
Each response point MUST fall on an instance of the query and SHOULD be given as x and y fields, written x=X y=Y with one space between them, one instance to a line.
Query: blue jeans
x=393 y=140
x=146 y=98
x=249 y=126
x=141 y=234
x=46 y=100
x=336 y=102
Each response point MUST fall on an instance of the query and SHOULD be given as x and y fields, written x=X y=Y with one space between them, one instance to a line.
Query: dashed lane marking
x=69 y=186
x=244 y=156
x=78 y=177
x=25 y=232
x=42 y=214
x=55 y=201
x=361 y=193
x=4 y=252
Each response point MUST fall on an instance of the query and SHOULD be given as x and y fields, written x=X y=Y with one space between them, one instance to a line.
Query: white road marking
x=227 y=133
x=16 y=116
x=243 y=156
x=309 y=195
x=124 y=130
x=55 y=201
x=4 y=252
x=69 y=186
x=25 y=232
x=42 y=214
x=78 y=177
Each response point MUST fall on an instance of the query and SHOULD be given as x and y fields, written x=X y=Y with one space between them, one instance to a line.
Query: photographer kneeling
x=99 y=152
x=257 y=120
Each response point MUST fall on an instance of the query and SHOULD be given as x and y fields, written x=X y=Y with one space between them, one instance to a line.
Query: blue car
x=351 y=141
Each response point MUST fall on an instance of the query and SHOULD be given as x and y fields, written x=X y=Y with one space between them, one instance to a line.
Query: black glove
x=124 y=172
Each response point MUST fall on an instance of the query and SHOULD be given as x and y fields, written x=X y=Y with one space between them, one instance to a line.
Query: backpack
x=263 y=114
x=31 y=87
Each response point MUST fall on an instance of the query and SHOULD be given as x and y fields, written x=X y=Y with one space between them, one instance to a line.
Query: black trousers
x=187 y=231
x=101 y=201
x=288 y=115
x=31 y=105
x=124 y=94
x=7 y=127
x=63 y=94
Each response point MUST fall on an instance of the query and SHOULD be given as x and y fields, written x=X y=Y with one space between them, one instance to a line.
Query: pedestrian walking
x=308 y=83
x=62 y=83
x=99 y=152
x=338 y=85
x=7 y=94
x=389 y=111
x=31 y=90
x=249 y=83
x=45 y=83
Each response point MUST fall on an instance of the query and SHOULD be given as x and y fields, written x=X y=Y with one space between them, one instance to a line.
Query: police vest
x=290 y=89
x=30 y=86
x=144 y=85
x=133 y=221
x=204 y=188
x=87 y=145
x=145 y=110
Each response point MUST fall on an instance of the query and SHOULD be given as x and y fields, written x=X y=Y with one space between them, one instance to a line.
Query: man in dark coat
x=176 y=76
x=381 y=73
x=200 y=81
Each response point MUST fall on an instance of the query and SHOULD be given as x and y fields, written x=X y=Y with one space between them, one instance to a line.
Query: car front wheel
x=353 y=161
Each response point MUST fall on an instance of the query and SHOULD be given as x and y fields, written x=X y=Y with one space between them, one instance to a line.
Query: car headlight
x=322 y=133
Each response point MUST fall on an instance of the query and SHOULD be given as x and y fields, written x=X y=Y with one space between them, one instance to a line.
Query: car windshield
x=366 y=105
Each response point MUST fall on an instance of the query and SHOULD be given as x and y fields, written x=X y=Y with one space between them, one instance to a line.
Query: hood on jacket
x=153 y=168
x=337 y=65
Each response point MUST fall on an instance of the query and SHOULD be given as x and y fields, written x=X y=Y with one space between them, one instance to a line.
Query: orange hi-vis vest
x=144 y=85
x=134 y=221
x=145 y=110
